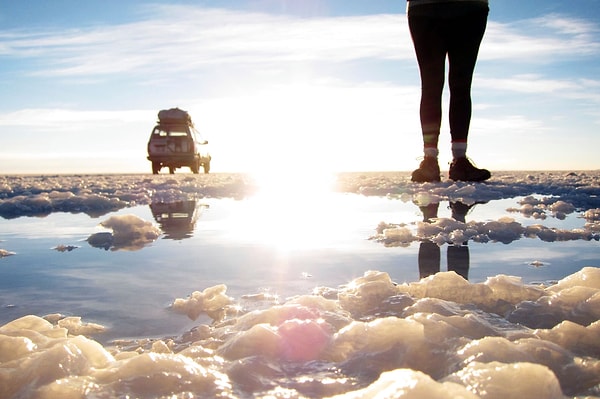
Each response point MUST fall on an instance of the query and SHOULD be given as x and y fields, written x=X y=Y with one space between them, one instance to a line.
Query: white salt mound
x=440 y=337
x=4 y=253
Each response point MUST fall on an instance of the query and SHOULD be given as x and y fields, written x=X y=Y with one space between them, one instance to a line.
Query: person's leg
x=463 y=47
x=429 y=43
x=464 y=41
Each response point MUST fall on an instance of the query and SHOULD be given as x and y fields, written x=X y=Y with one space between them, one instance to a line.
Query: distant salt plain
x=354 y=284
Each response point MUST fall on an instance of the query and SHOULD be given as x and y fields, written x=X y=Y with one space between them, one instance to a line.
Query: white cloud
x=569 y=26
x=186 y=38
x=59 y=117
x=516 y=124
x=541 y=39
x=585 y=90
x=528 y=83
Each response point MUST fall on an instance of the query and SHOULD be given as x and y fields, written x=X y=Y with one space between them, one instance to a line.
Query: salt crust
x=437 y=338
x=96 y=195
x=505 y=230
x=545 y=194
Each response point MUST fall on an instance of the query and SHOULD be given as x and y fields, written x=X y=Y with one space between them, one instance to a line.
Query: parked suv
x=175 y=143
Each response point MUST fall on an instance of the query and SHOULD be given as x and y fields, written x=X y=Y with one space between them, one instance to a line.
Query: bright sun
x=302 y=142
x=292 y=210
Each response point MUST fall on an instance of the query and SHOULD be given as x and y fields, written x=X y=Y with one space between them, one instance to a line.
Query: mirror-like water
x=252 y=247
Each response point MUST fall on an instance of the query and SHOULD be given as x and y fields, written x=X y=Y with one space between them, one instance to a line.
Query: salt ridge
x=100 y=194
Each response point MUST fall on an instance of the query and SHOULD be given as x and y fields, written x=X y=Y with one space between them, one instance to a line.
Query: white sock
x=459 y=149
x=431 y=152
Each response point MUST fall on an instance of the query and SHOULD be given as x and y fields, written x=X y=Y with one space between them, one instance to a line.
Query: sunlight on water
x=291 y=211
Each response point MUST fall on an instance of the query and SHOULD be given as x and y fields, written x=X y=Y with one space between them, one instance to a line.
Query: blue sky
x=286 y=85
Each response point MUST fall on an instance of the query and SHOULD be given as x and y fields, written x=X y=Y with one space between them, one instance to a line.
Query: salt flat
x=217 y=286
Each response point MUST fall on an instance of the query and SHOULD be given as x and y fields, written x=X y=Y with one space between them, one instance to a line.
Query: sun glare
x=302 y=143
x=293 y=209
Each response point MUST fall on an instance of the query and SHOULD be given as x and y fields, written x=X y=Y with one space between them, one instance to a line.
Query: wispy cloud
x=528 y=83
x=516 y=124
x=578 y=28
x=541 y=39
x=187 y=38
x=48 y=118
x=171 y=39
x=571 y=89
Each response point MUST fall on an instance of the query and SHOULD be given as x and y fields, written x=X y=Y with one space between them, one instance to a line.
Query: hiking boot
x=462 y=169
x=429 y=171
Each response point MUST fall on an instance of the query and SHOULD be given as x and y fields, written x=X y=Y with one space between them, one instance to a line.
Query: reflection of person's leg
x=463 y=48
x=458 y=260
x=428 y=40
x=429 y=259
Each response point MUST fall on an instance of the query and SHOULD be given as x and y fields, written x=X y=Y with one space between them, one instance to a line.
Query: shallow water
x=253 y=248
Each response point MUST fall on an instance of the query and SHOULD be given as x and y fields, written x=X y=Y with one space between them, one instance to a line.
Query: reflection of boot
x=458 y=260
x=460 y=210
x=429 y=259
x=430 y=211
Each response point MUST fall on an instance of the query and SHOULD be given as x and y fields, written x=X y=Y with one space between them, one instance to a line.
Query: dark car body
x=175 y=143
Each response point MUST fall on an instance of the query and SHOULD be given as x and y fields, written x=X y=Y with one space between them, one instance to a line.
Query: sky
x=286 y=85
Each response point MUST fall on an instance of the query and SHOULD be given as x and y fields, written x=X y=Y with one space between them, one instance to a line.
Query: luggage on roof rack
x=174 y=116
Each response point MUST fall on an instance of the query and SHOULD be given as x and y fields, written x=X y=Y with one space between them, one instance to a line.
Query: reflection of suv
x=177 y=219
x=174 y=143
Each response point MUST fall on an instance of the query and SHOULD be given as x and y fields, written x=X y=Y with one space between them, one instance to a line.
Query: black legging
x=456 y=34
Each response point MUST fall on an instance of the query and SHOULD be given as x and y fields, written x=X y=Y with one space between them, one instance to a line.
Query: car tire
x=195 y=167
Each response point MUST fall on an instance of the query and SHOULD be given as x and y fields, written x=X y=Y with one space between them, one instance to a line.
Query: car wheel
x=195 y=167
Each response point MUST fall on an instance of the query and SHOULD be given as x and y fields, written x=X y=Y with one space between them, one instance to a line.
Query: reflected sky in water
x=284 y=241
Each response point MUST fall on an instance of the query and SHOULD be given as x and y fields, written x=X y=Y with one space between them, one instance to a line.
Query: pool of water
x=283 y=246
